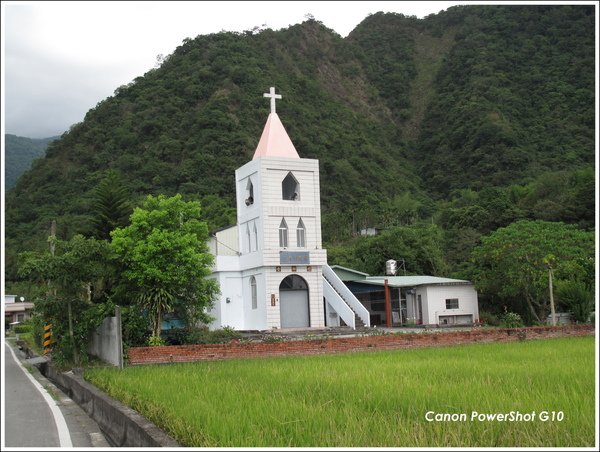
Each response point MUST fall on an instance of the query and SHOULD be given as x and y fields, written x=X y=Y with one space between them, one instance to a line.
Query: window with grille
x=300 y=234
x=283 y=234
x=451 y=303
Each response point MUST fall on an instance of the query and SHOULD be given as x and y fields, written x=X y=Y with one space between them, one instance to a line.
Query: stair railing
x=346 y=294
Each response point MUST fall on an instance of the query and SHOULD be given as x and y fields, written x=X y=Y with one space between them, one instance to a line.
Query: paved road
x=37 y=414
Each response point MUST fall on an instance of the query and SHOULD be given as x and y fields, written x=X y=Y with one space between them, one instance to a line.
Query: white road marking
x=64 y=436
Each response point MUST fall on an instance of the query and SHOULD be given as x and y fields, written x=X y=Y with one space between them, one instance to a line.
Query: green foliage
x=136 y=326
x=165 y=256
x=205 y=336
x=20 y=152
x=511 y=320
x=509 y=264
x=474 y=118
x=155 y=341
x=19 y=329
x=111 y=206
x=157 y=301
x=69 y=305
x=489 y=318
x=577 y=297
x=514 y=98
x=418 y=245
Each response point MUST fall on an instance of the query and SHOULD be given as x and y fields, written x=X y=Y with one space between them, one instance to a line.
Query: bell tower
x=279 y=232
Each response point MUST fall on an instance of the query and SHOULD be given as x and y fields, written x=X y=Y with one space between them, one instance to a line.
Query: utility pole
x=388 y=307
x=552 y=312
x=549 y=261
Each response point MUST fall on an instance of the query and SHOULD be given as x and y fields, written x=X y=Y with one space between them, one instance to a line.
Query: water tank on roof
x=391 y=266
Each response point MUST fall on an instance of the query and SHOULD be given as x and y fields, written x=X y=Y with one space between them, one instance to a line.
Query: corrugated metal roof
x=410 y=281
x=351 y=270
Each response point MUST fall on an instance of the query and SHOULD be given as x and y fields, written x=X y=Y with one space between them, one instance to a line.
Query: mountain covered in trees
x=19 y=153
x=442 y=129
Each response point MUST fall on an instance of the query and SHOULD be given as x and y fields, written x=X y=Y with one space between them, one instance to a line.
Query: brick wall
x=240 y=349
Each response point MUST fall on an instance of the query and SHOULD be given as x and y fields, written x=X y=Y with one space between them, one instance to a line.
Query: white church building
x=271 y=266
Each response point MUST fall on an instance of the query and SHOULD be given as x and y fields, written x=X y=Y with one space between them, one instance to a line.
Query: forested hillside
x=448 y=127
x=19 y=153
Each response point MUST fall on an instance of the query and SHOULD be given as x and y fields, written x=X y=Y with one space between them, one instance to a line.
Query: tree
x=509 y=264
x=165 y=255
x=68 y=272
x=111 y=206
x=575 y=288
x=419 y=246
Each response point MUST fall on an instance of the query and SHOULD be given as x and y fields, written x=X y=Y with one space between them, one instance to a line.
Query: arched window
x=283 y=234
x=249 y=193
x=248 y=247
x=300 y=235
x=290 y=188
x=253 y=292
x=255 y=238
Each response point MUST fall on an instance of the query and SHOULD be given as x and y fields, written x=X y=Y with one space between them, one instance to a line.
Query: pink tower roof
x=274 y=141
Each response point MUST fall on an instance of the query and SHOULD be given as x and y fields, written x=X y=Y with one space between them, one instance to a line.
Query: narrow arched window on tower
x=248 y=246
x=249 y=193
x=253 y=292
x=300 y=234
x=290 y=188
x=283 y=234
x=255 y=237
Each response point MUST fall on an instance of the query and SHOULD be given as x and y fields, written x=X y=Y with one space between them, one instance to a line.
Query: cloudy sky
x=61 y=58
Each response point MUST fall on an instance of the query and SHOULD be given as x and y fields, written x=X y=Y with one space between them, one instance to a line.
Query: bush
x=512 y=320
x=176 y=336
x=154 y=341
x=577 y=297
x=204 y=336
x=21 y=329
x=136 y=326
x=489 y=318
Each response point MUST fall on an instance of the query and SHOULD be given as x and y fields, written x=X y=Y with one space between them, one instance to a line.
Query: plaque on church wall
x=294 y=257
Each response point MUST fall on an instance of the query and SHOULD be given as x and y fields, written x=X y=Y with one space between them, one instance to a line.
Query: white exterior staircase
x=340 y=298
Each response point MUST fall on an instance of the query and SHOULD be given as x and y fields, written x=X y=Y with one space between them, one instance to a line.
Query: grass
x=376 y=399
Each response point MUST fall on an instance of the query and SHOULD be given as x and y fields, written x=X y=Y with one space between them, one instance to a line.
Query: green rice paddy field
x=374 y=399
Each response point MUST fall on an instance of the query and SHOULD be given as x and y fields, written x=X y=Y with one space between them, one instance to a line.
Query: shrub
x=205 y=336
x=489 y=318
x=512 y=320
x=577 y=297
x=154 y=341
x=272 y=339
x=136 y=326
x=20 y=329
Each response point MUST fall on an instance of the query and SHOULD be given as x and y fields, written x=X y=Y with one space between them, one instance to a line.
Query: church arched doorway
x=293 y=302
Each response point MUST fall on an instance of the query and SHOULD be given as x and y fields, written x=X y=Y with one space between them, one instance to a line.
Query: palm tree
x=158 y=301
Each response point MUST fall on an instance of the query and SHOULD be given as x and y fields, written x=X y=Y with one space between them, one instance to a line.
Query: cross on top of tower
x=273 y=96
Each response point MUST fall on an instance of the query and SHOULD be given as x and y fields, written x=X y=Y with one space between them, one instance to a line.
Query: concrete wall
x=121 y=425
x=106 y=341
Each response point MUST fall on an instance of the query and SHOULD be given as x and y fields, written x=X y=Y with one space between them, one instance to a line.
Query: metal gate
x=293 y=303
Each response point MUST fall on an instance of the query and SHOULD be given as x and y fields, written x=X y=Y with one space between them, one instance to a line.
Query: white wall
x=232 y=313
x=436 y=302
x=314 y=279
x=267 y=175
x=254 y=319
